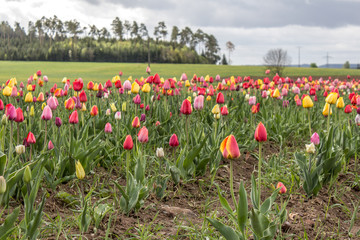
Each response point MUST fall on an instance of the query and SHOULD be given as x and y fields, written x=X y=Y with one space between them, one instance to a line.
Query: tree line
x=51 y=39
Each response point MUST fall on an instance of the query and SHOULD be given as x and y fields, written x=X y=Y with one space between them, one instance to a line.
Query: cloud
x=254 y=26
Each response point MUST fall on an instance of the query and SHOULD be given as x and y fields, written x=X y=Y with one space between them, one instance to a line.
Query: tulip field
x=150 y=156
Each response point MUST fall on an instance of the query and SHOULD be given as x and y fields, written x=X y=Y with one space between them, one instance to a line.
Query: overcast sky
x=254 y=26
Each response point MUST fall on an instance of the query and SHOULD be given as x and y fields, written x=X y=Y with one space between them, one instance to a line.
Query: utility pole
x=299 y=47
x=327 y=59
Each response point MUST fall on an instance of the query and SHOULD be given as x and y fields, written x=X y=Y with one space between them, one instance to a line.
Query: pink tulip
x=264 y=94
x=10 y=112
x=50 y=145
x=137 y=99
x=46 y=114
x=166 y=85
x=315 y=139
x=108 y=128
x=252 y=100
x=127 y=85
x=14 y=92
x=143 y=135
x=199 y=102
x=148 y=70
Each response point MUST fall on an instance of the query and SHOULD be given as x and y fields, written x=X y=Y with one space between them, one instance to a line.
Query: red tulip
x=348 y=109
x=108 y=84
x=78 y=85
x=186 y=107
x=260 y=133
x=174 y=142
x=128 y=143
x=1 y=105
x=136 y=122
x=30 y=139
x=229 y=148
x=118 y=84
x=74 y=118
x=82 y=96
x=282 y=188
x=220 y=98
x=19 y=115
x=90 y=85
x=224 y=111
x=143 y=135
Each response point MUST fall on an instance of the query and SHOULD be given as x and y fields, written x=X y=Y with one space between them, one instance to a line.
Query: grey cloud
x=247 y=13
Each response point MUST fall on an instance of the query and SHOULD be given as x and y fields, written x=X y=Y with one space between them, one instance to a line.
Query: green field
x=103 y=71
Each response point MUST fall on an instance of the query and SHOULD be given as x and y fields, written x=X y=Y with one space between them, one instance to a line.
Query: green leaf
x=227 y=232
x=193 y=153
x=242 y=211
x=33 y=227
x=2 y=163
x=8 y=226
x=258 y=222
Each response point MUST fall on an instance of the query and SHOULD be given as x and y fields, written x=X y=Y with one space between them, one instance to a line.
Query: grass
x=97 y=72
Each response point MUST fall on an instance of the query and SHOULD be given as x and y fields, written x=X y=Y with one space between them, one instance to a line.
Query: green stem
x=259 y=173
x=11 y=136
x=45 y=134
x=94 y=127
x=328 y=120
x=231 y=184
x=127 y=165
x=309 y=121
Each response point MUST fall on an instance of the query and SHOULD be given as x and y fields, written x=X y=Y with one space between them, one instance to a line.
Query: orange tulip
x=229 y=148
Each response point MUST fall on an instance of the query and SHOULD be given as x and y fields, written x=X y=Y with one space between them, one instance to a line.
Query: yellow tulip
x=29 y=88
x=35 y=77
x=307 y=102
x=80 y=173
x=130 y=78
x=83 y=107
x=12 y=82
x=187 y=83
x=331 y=98
x=276 y=93
x=29 y=97
x=146 y=88
x=7 y=91
x=216 y=109
x=340 y=103
x=96 y=87
x=217 y=116
x=325 y=111
x=32 y=111
x=189 y=98
x=123 y=107
x=64 y=80
x=208 y=98
x=113 y=107
x=135 y=88
x=43 y=105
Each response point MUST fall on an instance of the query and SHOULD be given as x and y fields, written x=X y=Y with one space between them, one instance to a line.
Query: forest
x=52 y=39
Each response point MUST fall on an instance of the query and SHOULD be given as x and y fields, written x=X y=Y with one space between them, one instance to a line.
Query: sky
x=314 y=28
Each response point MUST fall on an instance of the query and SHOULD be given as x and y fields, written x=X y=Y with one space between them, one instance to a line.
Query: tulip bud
x=128 y=143
x=315 y=139
x=160 y=152
x=4 y=120
x=260 y=133
x=80 y=173
x=108 y=112
x=50 y=145
x=117 y=115
x=27 y=174
x=108 y=128
x=20 y=149
x=58 y=122
x=310 y=148
x=282 y=188
x=2 y=185
x=174 y=142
